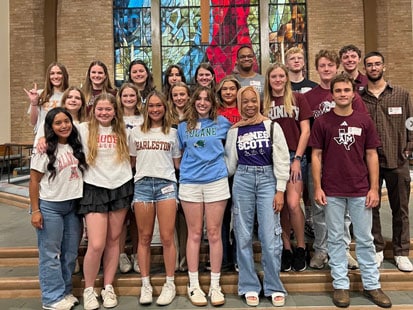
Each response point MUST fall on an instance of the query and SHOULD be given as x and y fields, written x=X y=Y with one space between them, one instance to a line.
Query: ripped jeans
x=58 y=244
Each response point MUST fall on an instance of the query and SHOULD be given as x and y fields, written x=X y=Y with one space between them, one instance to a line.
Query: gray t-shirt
x=257 y=81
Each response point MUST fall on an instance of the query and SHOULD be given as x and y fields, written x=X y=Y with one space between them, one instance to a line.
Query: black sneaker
x=286 y=259
x=299 y=263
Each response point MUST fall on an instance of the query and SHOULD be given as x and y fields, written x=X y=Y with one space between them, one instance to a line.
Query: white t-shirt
x=54 y=101
x=154 y=152
x=68 y=182
x=132 y=122
x=107 y=172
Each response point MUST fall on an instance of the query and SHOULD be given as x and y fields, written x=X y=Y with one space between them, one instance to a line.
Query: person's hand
x=372 y=199
x=37 y=220
x=41 y=146
x=278 y=202
x=33 y=95
x=295 y=171
x=320 y=197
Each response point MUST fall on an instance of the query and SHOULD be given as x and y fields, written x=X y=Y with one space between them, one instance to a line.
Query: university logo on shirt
x=324 y=107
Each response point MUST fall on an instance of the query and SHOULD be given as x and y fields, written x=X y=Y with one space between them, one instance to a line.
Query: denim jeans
x=335 y=211
x=319 y=222
x=253 y=191
x=58 y=244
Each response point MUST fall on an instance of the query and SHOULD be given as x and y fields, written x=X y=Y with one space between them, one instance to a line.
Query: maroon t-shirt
x=290 y=124
x=231 y=114
x=321 y=101
x=344 y=141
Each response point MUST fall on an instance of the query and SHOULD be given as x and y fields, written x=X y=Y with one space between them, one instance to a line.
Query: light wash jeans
x=335 y=211
x=253 y=191
x=58 y=244
x=319 y=222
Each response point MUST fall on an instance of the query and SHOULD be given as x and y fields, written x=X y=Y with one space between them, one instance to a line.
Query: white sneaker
x=90 y=301
x=124 y=263
x=351 y=261
x=197 y=296
x=216 y=296
x=134 y=260
x=146 y=295
x=168 y=294
x=379 y=258
x=319 y=260
x=72 y=299
x=62 y=304
x=109 y=297
x=403 y=263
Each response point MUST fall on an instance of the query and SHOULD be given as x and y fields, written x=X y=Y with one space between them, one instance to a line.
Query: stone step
x=28 y=256
x=305 y=301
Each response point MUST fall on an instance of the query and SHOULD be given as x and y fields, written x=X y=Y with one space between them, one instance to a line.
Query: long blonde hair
x=288 y=98
x=118 y=128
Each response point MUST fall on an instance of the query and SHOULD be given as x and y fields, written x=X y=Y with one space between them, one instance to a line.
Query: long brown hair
x=48 y=86
x=191 y=115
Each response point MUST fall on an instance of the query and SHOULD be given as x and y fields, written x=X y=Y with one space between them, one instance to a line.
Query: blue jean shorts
x=303 y=165
x=150 y=189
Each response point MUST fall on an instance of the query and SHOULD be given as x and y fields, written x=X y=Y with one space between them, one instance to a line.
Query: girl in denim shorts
x=155 y=154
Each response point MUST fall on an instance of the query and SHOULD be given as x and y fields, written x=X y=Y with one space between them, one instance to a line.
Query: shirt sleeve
x=280 y=157
x=231 y=154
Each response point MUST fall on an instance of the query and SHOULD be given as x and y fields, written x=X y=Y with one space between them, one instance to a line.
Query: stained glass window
x=287 y=25
x=232 y=23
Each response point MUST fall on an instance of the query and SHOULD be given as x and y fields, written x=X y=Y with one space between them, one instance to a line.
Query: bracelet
x=35 y=211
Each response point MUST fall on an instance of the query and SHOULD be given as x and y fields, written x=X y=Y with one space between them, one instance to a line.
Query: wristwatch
x=298 y=157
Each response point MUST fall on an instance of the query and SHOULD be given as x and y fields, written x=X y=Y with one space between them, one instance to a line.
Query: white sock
x=215 y=276
x=193 y=279
x=146 y=281
x=170 y=280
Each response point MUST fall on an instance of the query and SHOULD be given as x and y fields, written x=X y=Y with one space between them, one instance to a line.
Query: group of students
x=226 y=147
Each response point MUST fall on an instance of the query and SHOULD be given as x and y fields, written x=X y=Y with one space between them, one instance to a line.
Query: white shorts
x=209 y=192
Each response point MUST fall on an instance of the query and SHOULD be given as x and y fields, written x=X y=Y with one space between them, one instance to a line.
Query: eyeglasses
x=374 y=64
x=246 y=57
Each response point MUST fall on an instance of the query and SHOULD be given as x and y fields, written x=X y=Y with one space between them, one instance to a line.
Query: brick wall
x=84 y=33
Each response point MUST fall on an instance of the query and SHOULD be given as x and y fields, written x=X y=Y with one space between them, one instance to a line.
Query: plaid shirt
x=390 y=112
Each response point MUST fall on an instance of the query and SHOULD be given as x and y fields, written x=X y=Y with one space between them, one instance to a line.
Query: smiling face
x=278 y=79
x=229 y=93
x=129 y=98
x=350 y=61
x=156 y=111
x=73 y=102
x=180 y=96
x=97 y=76
x=204 y=77
x=343 y=94
x=62 y=127
x=56 y=77
x=250 y=104
x=104 y=112
x=202 y=105
x=138 y=74
x=245 y=58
